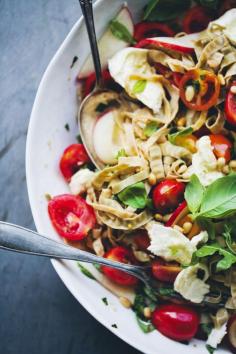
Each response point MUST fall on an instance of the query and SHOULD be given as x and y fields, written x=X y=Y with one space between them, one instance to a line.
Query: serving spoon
x=85 y=122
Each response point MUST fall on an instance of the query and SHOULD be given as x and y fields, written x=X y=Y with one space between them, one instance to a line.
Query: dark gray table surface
x=37 y=313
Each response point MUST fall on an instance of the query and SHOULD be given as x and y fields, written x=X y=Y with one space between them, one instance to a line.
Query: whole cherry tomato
x=177 y=322
x=197 y=19
x=123 y=255
x=205 y=89
x=71 y=216
x=167 y=195
x=222 y=146
x=72 y=159
x=231 y=332
x=152 y=29
x=166 y=272
x=141 y=240
x=230 y=105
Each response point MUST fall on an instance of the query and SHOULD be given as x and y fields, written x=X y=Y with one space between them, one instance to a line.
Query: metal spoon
x=85 y=122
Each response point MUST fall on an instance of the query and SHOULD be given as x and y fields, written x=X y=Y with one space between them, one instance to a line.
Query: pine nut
x=166 y=217
x=221 y=79
x=233 y=89
x=152 y=179
x=221 y=162
x=158 y=217
x=147 y=312
x=232 y=164
x=225 y=169
x=187 y=226
x=125 y=302
x=189 y=93
x=129 y=226
x=181 y=122
x=178 y=228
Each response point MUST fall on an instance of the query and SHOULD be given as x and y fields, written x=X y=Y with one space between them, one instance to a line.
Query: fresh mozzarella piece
x=79 y=181
x=204 y=162
x=170 y=244
x=128 y=67
x=227 y=23
x=107 y=138
x=216 y=336
x=200 y=238
x=190 y=286
x=109 y=44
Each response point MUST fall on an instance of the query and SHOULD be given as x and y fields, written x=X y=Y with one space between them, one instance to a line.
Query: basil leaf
x=183 y=132
x=207 y=328
x=134 y=196
x=228 y=233
x=220 y=198
x=149 y=8
x=121 y=153
x=194 y=194
x=167 y=292
x=146 y=326
x=139 y=86
x=104 y=299
x=85 y=271
x=208 y=226
x=121 y=32
x=166 y=10
x=150 y=128
x=225 y=263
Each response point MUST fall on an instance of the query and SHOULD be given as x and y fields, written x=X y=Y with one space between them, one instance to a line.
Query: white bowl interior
x=55 y=105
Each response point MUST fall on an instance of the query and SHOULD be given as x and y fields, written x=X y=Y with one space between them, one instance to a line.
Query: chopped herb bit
x=150 y=128
x=67 y=127
x=146 y=326
x=150 y=293
x=121 y=32
x=149 y=8
x=150 y=205
x=165 y=10
x=48 y=197
x=85 y=271
x=212 y=4
x=79 y=139
x=104 y=299
x=166 y=291
x=102 y=107
x=210 y=349
x=134 y=196
x=184 y=132
x=74 y=61
x=121 y=153
x=207 y=328
x=139 y=86
x=114 y=325
x=97 y=266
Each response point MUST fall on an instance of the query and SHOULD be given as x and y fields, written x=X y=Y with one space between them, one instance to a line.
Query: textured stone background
x=37 y=313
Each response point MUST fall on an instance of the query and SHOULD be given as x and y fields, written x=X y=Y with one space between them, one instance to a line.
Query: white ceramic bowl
x=55 y=105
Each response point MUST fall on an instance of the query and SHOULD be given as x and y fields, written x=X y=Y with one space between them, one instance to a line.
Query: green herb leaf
x=121 y=153
x=210 y=349
x=104 y=299
x=220 y=198
x=150 y=129
x=207 y=328
x=74 y=60
x=114 y=325
x=79 y=139
x=134 y=196
x=85 y=271
x=207 y=225
x=167 y=292
x=184 y=132
x=208 y=250
x=67 y=127
x=150 y=293
x=165 y=10
x=149 y=8
x=146 y=326
x=150 y=205
x=98 y=267
x=121 y=32
x=228 y=231
x=194 y=194
x=139 y=86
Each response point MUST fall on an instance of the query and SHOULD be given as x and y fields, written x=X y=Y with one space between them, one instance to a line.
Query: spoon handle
x=87 y=9
x=18 y=239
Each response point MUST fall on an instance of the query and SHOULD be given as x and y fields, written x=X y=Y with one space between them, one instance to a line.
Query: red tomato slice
x=206 y=89
x=197 y=19
x=141 y=240
x=72 y=159
x=71 y=216
x=169 y=47
x=230 y=106
x=152 y=29
x=166 y=272
x=123 y=255
x=222 y=146
x=177 y=322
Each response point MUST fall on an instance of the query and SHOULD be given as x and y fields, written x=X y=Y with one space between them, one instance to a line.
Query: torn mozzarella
x=204 y=162
x=216 y=336
x=190 y=286
x=79 y=181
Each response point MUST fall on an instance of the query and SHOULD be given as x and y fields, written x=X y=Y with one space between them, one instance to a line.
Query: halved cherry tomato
x=166 y=272
x=167 y=195
x=222 y=146
x=123 y=255
x=72 y=159
x=90 y=81
x=188 y=142
x=152 y=29
x=71 y=216
x=197 y=19
x=141 y=240
x=230 y=106
x=206 y=88
x=177 y=322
